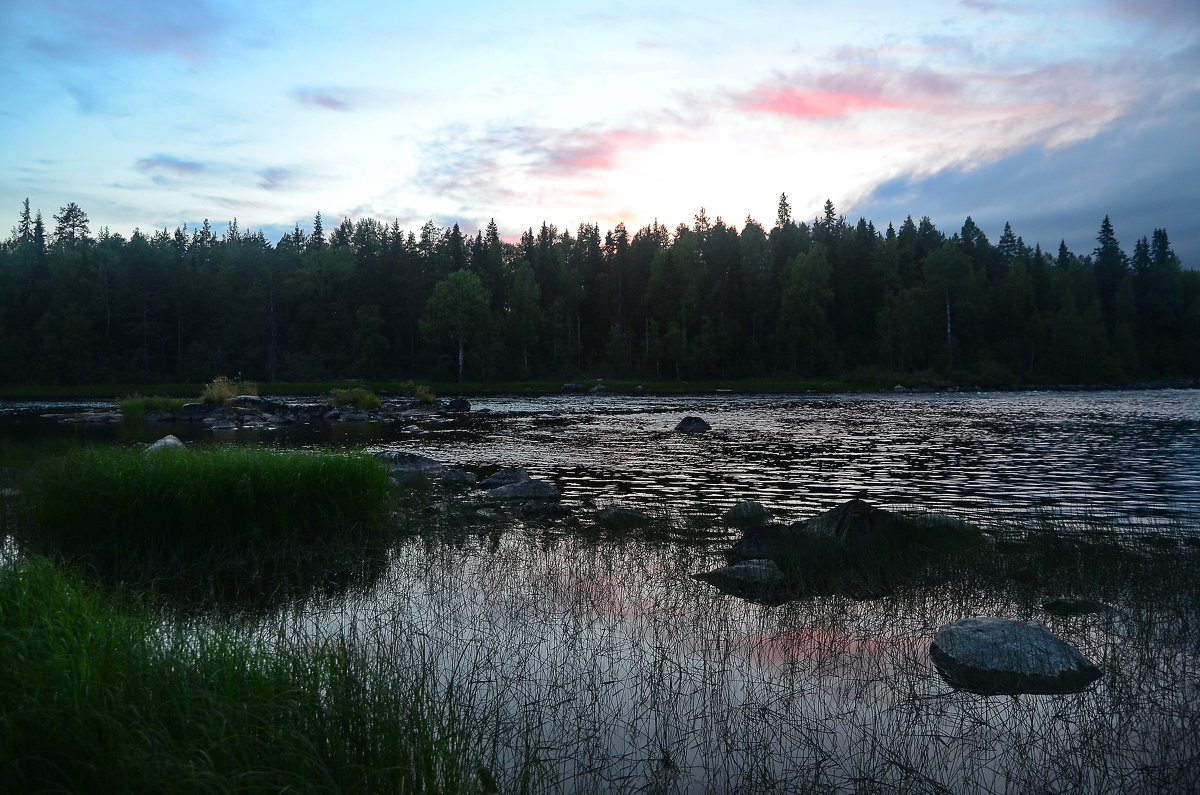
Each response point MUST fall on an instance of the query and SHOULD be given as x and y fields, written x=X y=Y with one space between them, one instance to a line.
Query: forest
x=818 y=299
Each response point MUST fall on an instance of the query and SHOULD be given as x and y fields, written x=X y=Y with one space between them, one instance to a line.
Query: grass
x=102 y=697
x=360 y=397
x=221 y=390
x=113 y=502
x=134 y=407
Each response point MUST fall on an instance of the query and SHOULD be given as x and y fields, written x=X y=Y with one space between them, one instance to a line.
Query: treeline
x=817 y=299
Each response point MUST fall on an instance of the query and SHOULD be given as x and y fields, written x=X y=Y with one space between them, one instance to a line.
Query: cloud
x=276 y=178
x=813 y=104
x=1062 y=194
x=82 y=30
x=337 y=98
x=567 y=153
x=170 y=165
x=505 y=164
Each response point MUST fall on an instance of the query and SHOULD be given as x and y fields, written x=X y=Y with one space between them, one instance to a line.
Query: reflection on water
x=605 y=662
x=1131 y=456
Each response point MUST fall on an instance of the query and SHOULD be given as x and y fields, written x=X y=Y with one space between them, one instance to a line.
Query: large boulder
x=747 y=513
x=529 y=489
x=858 y=548
x=996 y=656
x=620 y=517
x=458 y=405
x=693 y=425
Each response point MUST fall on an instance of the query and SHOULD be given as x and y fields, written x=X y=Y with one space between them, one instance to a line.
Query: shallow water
x=1131 y=457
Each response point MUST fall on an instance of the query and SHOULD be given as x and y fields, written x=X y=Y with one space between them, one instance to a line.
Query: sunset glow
x=153 y=115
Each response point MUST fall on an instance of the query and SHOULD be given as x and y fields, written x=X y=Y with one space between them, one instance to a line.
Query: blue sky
x=1050 y=116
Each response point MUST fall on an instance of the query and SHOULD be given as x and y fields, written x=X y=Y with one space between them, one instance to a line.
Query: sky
x=151 y=114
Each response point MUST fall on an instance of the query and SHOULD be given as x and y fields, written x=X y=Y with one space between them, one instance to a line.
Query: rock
x=528 y=489
x=749 y=578
x=458 y=405
x=859 y=525
x=1073 y=606
x=747 y=513
x=457 y=478
x=996 y=656
x=409 y=477
x=780 y=543
x=619 y=517
x=399 y=459
x=639 y=390
x=693 y=425
x=194 y=412
x=504 y=477
x=168 y=442
x=569 y=388
x=598 y=389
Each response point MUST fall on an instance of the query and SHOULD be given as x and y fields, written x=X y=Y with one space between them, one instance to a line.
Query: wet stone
x=996 y=656
x=504 y=477
x=620 y=517
x=747 y=513
x=525 y=490
x=693 y=425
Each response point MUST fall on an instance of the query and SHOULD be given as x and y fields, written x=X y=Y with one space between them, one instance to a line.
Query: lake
x=1129 y=456
x=590 y=662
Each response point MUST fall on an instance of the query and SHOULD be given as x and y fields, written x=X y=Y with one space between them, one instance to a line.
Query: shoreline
x=390 y=389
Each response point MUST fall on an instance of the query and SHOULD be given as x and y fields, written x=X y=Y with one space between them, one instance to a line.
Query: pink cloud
x=815 y=104
x=567 y=153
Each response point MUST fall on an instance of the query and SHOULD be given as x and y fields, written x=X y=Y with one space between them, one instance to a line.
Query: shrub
x=420 y=392
x=358 y=396
x=221 y=390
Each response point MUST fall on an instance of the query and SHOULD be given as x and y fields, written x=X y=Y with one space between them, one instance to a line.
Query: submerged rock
x=168 y=442
x=750 y=578
x=528 y=489
x=504 y=477
x=747 y=513
x=619 y=517
x=693 y=425
x=996 y=656
x=458 y=478
x=399 y=459
x=458 y=405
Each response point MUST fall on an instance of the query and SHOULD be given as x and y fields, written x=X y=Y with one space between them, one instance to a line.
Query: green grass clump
x=221 y=390
x=135 y=407
x=102 y=697
x=116 y=500
x=358 y=396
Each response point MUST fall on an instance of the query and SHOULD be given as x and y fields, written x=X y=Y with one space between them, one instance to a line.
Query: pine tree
x=316 y=241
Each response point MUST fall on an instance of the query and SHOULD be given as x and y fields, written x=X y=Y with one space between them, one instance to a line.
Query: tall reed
x=124 y=500
x=101 y=697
